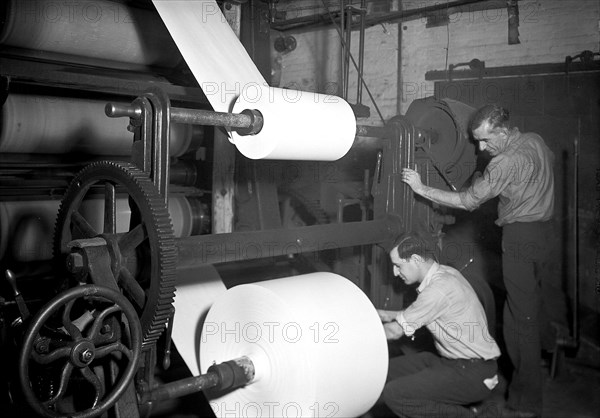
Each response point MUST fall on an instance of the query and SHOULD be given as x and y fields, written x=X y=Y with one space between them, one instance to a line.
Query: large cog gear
x=143 y=258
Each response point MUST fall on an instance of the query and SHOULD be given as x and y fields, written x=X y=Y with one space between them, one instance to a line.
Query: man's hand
x=441 y=197
x=413 y=179
x=387 y=316
x=393 y=330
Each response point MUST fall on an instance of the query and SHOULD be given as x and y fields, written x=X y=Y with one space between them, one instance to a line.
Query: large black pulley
x=80 y=353
x=450 y=148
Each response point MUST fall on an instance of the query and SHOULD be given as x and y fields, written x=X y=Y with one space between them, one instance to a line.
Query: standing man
x=464 y=370
x=521 y=174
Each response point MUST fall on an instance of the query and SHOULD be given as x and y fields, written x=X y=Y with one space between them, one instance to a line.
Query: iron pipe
x=181 y=388
x=210 y=117
x=224 y=376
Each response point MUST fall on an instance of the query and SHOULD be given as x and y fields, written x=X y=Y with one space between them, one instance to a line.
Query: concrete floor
x=574 y=392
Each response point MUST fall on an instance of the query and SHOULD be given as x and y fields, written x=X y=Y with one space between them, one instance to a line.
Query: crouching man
x=464 y=370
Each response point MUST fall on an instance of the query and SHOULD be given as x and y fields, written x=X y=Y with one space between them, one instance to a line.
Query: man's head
x=412 y=255
x=490 y=128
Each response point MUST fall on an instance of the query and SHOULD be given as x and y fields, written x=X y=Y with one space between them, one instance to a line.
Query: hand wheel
x=80 y=353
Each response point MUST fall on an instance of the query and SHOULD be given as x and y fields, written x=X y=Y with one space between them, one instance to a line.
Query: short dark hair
x=496 y=115
x=413 y=242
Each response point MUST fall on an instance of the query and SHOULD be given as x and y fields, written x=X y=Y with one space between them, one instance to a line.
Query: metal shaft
x=181 y=388
x=372 y=131
x=239 y=246
x=225 y=376
x=247 y=122
x=210 y=118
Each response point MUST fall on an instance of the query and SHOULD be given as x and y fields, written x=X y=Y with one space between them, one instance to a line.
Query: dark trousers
x=427 y=385
x=523 y=253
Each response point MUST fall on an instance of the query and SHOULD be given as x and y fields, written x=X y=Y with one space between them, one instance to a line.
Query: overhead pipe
x=324 y=19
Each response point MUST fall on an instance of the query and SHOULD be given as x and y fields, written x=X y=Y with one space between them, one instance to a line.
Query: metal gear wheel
x=93 y=336
x=142 y=258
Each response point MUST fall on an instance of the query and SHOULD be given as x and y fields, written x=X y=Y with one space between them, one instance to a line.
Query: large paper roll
x=316 y=341
x=196 y=290
x=297 y=125
x=27 y=227
x=102 y=32
x=57 y=125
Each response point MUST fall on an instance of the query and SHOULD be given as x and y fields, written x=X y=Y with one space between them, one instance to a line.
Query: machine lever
x=466 y=264
x=115 y=110
x=168 y=340
x=23 y=310
x=439 y=170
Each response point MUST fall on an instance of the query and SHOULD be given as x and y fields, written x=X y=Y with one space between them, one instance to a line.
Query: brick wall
x=549 y=31
x=315 y=64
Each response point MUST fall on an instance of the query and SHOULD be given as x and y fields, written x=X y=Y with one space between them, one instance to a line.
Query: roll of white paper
x=106 y=32
x=316 y=341
x=298 y=125
x=27 y=227
x=57 y=125
x=196 y=290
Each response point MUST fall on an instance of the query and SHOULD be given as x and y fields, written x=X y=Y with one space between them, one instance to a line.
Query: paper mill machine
x=116 y=175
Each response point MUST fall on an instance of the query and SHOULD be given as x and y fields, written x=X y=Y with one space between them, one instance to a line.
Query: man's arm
x=393 y=329
x=387 y=316
x=442 y=197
